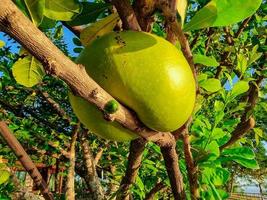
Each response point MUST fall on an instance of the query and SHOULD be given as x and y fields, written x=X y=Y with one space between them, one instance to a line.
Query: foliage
x=226 y=72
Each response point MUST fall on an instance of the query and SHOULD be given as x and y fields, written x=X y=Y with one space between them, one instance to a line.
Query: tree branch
x=171 y=162
x=137 y=147
x=159 y=186
x=247 y=121
x=126 y=14
x=25 y=160
x=70 y=191
x=90 y=168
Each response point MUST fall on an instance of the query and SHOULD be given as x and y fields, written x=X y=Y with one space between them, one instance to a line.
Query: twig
x=61 y=112
x=247 y=121
x=25 y=160
x=134 y=162
x=126 y=14
x=144 y=10
x=191 y=167
x=159 y=186
x=91 y=176
x=242 y=27
x=70 y=192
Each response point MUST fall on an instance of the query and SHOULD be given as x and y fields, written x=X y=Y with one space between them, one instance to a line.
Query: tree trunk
x=91 y=177
x=25 y=160
x=70 y=187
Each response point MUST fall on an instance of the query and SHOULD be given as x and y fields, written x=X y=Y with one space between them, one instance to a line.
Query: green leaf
x=89 y=14
x=217 y=133
x=253 y=55
x=36 y=10
x=211 y=85
x=77 y=49
x=242 y=63
x=205 y=60
x=4 y=176
x=217 y=175
x=77 y=41
x=222 y=13
x=61 y=9
x=99 y=28
x=181 y=8
x=239 y=88
x=2 y=43
x=243 y=152
x=215 y=193
x=258 y=131
x=28 y=71
x=213 y=148
x=251 y=164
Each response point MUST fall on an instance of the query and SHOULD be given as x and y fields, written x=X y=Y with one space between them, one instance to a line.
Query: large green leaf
x=61 y=9
x=4 y=176
x=239 y=88
x=181 y=8
x=251 y=164
x=222 y=13
x=28 y=71
x=211 y=85
x=205 y=60
x=89 y=14
x=213 y=149
x=99 y=28
x=243 y=152
x=36 y=10
x=248 y=163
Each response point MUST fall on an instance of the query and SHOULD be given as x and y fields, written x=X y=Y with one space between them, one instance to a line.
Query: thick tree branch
x=126 y=14
x=171 y=162
x=25 y=160
x=134 y=162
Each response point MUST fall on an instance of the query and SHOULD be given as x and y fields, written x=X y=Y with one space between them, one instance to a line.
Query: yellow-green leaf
x=28 y=71
x=99 y=28
x=2 y=43
x=4 y=176
x=61 y=9
x=36 y=10
x=181 y=8
x=222 y=13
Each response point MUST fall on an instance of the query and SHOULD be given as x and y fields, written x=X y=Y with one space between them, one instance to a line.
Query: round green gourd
x=142 y=71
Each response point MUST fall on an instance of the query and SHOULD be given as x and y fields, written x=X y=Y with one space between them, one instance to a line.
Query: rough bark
x=126 y=14
x=25 y=160
x=134 y=162
x=171 y=162
x=91 y=177
x=70 y=187
x=191 y=167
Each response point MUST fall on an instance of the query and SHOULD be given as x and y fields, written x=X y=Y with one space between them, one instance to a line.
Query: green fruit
x=142 y=71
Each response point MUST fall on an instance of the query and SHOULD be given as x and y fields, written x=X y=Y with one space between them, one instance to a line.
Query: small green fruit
x=111 y=107
x=144 y=72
